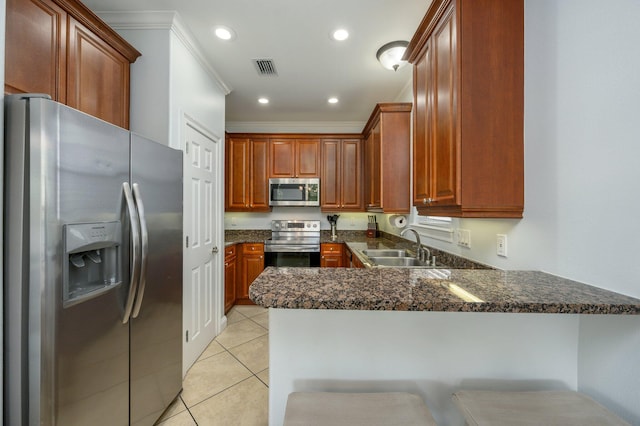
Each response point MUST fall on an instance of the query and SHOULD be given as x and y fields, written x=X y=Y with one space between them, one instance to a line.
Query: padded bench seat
x=356 y=409
x=549 y=408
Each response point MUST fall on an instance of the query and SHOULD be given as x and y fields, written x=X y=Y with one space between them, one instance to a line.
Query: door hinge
x=187 y=241
x=187 y=145
x=187 y=335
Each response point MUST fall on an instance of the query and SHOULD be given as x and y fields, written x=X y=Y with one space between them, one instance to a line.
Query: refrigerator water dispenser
x=91 y=263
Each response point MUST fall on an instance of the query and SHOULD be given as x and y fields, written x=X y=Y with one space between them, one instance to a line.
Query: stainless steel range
x=293 y=243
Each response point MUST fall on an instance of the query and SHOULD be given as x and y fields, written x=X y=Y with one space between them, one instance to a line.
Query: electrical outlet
x=501 y=242
x=464 y=238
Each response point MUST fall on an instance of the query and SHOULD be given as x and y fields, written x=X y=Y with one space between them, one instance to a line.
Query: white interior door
x=202 y=270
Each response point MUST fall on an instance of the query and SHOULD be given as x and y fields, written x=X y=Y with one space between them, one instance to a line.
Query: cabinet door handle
x=260 y=257
x=226 y=263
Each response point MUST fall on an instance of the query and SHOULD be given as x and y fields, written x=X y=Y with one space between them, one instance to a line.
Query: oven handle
x=291 y=249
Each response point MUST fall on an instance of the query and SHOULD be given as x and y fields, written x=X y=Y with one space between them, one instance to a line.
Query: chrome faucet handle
x=425 y=254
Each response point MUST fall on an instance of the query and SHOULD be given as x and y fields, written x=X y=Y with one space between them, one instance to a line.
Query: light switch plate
x=501 y=242
x=464 y=238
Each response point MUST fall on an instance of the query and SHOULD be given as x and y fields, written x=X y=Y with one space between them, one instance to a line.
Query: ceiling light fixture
x=332 y=100
x=340 y=34
x=390 y=55
x=263 y=101
x=224 y=33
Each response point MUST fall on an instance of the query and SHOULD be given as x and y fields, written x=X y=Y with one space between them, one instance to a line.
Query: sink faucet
x=422 y=253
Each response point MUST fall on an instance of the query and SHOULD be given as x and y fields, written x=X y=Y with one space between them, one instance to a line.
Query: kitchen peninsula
x=430 y=332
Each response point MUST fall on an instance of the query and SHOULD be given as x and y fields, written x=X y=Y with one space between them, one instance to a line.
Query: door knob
x=214 y=249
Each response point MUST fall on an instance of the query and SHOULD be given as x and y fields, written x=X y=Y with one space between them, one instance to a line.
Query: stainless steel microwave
x=294 y=192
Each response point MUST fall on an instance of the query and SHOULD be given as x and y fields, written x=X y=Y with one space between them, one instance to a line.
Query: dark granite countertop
x=445 y=290
x=466 y=286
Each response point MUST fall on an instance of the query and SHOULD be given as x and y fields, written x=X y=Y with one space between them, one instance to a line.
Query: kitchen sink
x=398 y=261
x=386 y=253
x=396 y=258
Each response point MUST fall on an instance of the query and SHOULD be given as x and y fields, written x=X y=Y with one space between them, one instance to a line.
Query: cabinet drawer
x=249 y=248
x=230 y=251
x=329 y=248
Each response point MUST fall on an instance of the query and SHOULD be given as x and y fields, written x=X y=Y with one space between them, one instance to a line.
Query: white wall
x=195 y=93
x=149 y=83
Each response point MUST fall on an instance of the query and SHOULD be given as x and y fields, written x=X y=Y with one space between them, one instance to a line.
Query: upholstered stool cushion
x=549 y=408
x=356 y=409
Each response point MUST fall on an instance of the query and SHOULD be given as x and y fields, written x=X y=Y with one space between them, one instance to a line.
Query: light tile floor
x=229 y=384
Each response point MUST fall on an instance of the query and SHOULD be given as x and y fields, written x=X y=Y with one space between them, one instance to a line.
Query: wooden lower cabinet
x=331 y=255
x=251 y=260
x=230 y=276
x=356 y=262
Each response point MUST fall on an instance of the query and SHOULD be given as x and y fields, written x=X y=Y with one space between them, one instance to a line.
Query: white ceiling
x=295 y=35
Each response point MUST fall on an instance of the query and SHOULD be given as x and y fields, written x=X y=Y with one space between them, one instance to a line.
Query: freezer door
x=66 y=262
x=156 y=323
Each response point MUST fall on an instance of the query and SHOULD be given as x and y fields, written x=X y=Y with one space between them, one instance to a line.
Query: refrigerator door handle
x=135 y=248
x=144 y=233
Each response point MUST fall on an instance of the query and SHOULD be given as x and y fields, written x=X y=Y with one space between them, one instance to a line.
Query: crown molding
x=294 y=126
x=164 y=20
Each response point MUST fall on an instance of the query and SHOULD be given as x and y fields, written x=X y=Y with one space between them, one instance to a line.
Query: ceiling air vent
x=265 y=67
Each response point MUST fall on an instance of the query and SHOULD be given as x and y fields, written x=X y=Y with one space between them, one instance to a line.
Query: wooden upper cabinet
x=36 y=48
x=422 y=112
x=469 y=109
x=387 y=150
x=341 y=176
x=351 y=175
x=246 y=186
x=61 y=48
x=258 y=179
x=331 y=187
x=97 y=76
x=294 y=158
x=282 y=158
x=236 y=155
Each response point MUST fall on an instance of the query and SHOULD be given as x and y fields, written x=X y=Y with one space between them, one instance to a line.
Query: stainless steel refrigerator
x=93 y=270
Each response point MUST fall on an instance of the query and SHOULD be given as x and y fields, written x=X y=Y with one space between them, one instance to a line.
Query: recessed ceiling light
x=332 y=100
x=263 y=100
x=224 y=33
x=340 y=34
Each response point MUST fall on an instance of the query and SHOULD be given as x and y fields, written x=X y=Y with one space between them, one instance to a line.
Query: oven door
x=292 y=259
